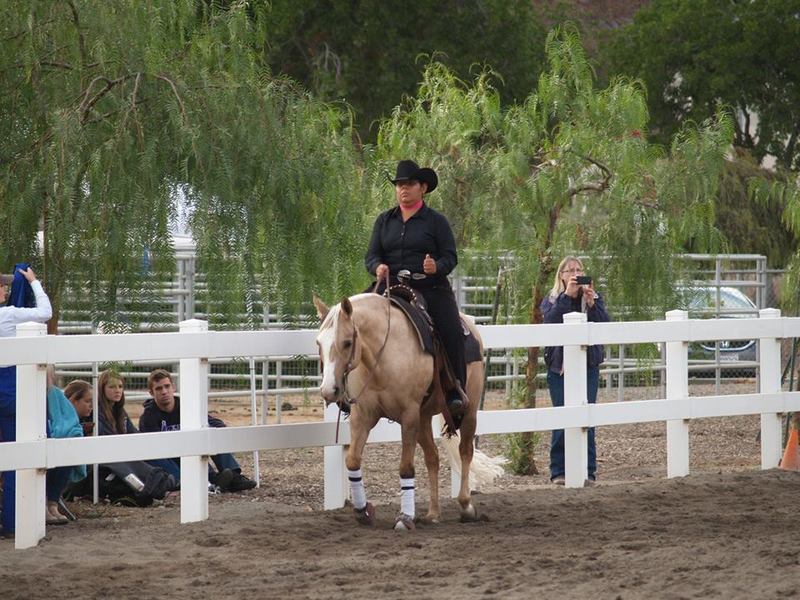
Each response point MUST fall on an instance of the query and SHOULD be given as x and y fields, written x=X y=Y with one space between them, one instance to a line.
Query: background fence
x=194 y=347
x=478 y=295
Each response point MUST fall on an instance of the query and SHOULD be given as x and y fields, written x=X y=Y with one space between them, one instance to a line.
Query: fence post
x=335 y=473
x=576 y=462
x=194 y=415
x=769 y=383
x=677 y=377
x=31 y=426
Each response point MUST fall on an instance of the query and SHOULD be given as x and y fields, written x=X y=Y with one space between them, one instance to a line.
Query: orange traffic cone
x=791 y=456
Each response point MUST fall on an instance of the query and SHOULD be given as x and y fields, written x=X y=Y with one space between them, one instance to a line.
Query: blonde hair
x=558 y=284
x=114 y=412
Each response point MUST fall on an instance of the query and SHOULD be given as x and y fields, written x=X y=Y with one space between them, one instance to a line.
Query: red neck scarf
x=411 y=209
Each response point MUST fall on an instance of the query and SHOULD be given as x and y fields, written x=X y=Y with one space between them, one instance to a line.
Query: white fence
x=194 y=345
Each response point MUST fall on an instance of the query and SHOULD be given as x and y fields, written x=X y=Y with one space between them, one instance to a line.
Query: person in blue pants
x=12 y=315
x=162 y=412
x=571 y=294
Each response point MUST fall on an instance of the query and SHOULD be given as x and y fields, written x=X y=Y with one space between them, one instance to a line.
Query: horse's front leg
x=408 y=427
x=364 y=511
x=425 y=439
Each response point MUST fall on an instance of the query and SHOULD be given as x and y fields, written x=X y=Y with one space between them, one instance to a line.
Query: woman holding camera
x=572 y=291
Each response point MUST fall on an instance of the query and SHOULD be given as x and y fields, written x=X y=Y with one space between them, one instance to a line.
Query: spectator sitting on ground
x=79 y=393
x=162 y=412
x=113 y=419
x=62 y=422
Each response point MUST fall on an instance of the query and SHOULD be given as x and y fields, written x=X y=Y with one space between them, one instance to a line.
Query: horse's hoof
x=429 y=519
x=404 y=523
x=469 y=514
x=366 y=515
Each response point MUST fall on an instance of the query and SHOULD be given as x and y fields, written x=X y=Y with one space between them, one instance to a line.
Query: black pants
x=443 y=310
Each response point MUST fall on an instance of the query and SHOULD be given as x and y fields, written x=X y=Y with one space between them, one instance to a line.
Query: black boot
x=455 y=404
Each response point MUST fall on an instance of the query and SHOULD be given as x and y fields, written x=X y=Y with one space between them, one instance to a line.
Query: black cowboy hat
x=409 y=170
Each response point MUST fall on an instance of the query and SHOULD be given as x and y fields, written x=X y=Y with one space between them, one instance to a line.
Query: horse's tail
x=483 y=470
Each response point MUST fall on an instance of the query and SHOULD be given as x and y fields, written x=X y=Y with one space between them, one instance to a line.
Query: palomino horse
x=374 y=365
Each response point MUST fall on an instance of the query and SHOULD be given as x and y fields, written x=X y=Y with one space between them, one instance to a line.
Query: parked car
x=707 y=301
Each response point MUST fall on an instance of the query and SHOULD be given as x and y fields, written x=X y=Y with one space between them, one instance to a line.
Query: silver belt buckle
x=418 y=276
x=404 y=275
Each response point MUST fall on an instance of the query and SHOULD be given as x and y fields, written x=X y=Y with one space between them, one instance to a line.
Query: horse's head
x=339 y=350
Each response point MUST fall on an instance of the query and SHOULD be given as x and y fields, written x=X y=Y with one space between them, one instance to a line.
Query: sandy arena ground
x=727 y=530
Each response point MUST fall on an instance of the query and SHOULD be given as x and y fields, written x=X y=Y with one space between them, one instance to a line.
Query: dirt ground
x=727 y=530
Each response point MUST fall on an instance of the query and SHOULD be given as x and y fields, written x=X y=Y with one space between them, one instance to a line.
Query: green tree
x=366 y=52
x=693 y=56
x=568 y=171
x=110 y=111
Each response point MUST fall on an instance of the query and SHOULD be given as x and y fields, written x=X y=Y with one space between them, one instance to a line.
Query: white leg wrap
x=407 y=496
x=357 y=491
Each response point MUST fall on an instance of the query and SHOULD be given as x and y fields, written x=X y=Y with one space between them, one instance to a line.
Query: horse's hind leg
x=425 y=439
x=466 y=451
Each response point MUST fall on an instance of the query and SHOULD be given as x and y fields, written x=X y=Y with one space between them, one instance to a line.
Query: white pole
x=576 y=462
x=677 y=376
x=770 y=382
x=254 y=416
x=31 y=426
x=194 y=415
x=335 y=473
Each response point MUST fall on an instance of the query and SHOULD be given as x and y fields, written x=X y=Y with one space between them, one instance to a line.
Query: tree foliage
x=569 y=171
x=694 y=56
x=367 y=52
x=109 y=110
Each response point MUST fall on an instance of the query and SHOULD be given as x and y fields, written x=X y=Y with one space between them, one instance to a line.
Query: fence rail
x=194 y=346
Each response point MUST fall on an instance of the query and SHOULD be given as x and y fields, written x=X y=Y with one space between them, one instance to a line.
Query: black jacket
x=554 y=312
x=154 y=419
x=404 y=245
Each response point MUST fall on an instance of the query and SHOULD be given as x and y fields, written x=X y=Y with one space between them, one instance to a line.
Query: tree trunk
x=538 y=290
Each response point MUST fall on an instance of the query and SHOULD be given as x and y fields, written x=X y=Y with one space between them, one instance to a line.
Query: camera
x=583 y=279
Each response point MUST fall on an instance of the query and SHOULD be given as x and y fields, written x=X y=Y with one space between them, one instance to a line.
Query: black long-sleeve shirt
x=402 y=245
x=155 y=419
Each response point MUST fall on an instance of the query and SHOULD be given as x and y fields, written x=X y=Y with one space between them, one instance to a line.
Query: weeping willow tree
x=569 y=171
x=113 y=112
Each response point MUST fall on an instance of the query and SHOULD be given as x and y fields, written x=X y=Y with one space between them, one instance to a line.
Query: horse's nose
x=330 y=395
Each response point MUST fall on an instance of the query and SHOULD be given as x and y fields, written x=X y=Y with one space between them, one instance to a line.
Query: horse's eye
x=346 y=344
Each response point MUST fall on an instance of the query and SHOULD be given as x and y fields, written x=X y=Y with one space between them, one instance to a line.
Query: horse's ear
x=322 y=310
x=347 y=307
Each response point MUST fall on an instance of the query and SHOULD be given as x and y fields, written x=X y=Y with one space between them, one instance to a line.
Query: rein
x=352 y=399
x=348 y=399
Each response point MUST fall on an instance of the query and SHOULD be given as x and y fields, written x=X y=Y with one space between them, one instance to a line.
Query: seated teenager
x=62 y=422
x=79 y=393
x=136 y=483
x=162 y=412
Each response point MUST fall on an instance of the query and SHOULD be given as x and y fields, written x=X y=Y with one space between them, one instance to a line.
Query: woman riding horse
x=373 y=363
x=414 y=240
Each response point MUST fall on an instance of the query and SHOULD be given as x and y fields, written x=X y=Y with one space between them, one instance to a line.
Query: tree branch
x=86 y=105
x=591 y=186
x=81 y=39
x=177 y=95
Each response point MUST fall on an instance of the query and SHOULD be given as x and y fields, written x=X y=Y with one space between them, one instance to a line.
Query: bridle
x=348 y=399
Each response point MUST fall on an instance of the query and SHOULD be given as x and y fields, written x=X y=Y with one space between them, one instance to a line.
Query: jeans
x=173 y=465
x=555 y=384
x=57 y=480
x=8 y=433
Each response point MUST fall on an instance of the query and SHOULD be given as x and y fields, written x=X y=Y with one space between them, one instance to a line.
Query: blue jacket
x=554 y=313
x=63 y=422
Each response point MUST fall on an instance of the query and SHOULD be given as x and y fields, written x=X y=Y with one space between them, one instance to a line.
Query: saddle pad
x=420 y=322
